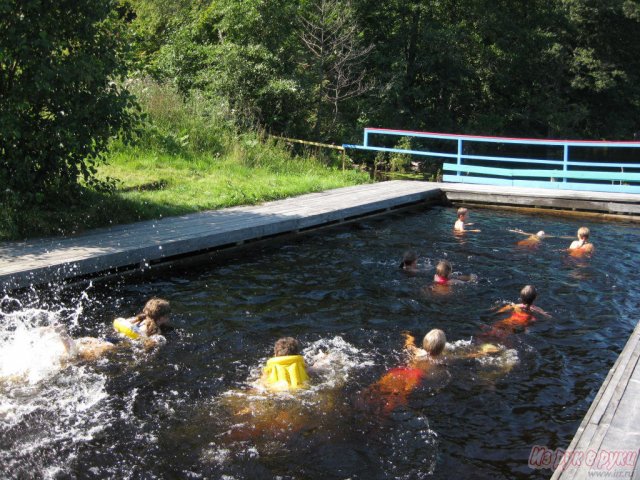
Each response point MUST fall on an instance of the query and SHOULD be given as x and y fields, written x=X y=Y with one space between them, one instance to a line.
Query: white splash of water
x=48 y=403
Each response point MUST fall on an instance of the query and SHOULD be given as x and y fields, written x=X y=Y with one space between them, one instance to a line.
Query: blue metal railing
x=568 y=172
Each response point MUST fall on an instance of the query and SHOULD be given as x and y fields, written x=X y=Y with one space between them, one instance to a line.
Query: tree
x=240 y=54
x=336 y=57
x=60 y=101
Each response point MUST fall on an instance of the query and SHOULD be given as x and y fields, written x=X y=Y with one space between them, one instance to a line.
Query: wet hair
x=408 y=258
x=583 y=232
x=286 y=346
x=434 y=342
x=154 y=309
x=443 y=269
x=462 y=211
x=528 y=294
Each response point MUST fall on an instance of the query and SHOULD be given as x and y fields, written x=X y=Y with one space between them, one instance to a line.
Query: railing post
x=565 y=159
x=459 y=158
x=366 y=138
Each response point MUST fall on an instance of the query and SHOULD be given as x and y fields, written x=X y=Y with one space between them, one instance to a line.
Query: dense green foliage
x=59 y=101
x=542 y=68
x=212 y=74
x=186 y=159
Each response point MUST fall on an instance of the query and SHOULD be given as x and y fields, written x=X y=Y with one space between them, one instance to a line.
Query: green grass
x=188 y=157
x=200 y=182
x=153 y=185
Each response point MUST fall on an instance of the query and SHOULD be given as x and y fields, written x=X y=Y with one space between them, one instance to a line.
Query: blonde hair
x=443 y=269
x=528 y=294
x=462 y=211
x=583 y=232
x=434 y=342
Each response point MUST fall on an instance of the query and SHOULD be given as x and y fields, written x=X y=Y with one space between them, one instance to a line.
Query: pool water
x=191 y=409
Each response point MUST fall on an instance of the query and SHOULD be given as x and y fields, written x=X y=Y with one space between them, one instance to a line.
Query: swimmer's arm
x=540 y=311
x=410 y=346
x=472 y=277
x=517 y=230
x=152 y=341
x=505 y=308
x=409 y=341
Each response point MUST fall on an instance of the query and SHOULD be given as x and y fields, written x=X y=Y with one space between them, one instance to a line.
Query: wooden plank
x=544 y=202
x=612 y=424
x=617 y=197
x=592 y=201
x=39 y=261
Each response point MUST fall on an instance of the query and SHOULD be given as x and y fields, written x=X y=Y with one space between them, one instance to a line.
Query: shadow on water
x=192 y=408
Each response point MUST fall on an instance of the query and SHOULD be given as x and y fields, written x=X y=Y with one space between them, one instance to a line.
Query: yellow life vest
x=284 y=373
x=127 y=328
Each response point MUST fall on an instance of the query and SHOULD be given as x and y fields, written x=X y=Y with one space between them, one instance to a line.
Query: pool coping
x=607 y=442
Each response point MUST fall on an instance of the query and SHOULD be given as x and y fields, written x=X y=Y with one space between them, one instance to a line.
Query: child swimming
x=286 y=369
x=522 y=314
x=582 y=246
x=532 y=241
x=147 y=324
x=393 y=388
x=459 y=226
x=409 y=261
x=442 y=279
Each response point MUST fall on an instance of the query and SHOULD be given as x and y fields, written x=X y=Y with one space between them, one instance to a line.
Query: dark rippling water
x=187 y=410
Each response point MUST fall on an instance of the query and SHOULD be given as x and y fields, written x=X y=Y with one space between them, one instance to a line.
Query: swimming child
x=286 y=369
x=442 y=279
x=147 y=324
x=582 y=246
x=433 y=345
x=532 y=241
x=409 y=261
x=522 y=314
x=394 y=387
x=459 y=226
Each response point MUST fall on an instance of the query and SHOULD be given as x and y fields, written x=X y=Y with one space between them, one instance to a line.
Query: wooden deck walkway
x=602 y=203
x=130 y=246
x=607 y=443
x=57 y=259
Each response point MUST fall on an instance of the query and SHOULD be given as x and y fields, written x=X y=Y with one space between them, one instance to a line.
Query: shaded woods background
x=74 y=78
x=327 y=68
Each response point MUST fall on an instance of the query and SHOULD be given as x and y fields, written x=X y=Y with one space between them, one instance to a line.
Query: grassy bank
x=187 y=158
x=152 y=184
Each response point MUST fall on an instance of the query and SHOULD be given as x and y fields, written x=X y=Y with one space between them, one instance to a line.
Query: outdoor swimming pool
x=186 y=410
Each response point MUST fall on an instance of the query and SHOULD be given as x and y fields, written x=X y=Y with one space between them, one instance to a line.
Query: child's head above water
x=434 y=342
x=158 y=310
x=583 y=233
x=462 y=213
x=286 y=346
x=528 y=294
x=443 y=269
x=409 y=259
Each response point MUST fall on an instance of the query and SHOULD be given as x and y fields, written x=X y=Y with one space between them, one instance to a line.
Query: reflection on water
x=192 y=409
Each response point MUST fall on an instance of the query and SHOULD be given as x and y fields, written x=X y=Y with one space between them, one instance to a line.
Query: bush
x=59 y=102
